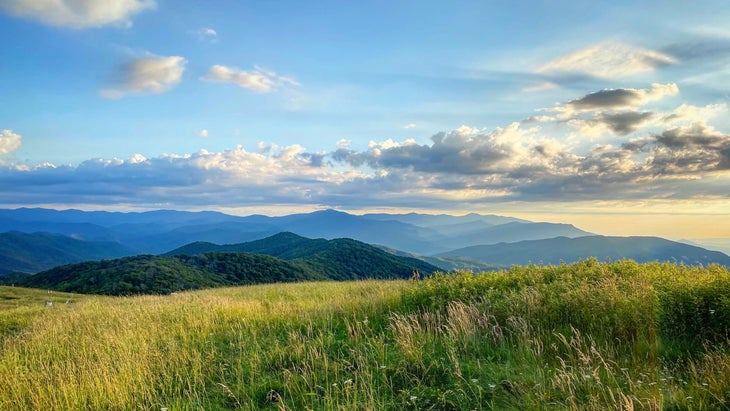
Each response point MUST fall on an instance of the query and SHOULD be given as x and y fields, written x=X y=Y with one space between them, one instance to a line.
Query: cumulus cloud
x=258 y=80
x=203 y=133
x=609 y=60
x=9 y=142
x=612 y=111
x=153 y=74
x=651 y=155
x=78 y=14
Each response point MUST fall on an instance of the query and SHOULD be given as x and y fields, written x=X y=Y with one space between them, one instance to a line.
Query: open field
x=583 y=336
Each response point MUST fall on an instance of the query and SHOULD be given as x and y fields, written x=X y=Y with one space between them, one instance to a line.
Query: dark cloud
x=609 y=98
x=626 y=122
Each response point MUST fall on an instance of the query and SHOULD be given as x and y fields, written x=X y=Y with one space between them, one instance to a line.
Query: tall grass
x=583 y=336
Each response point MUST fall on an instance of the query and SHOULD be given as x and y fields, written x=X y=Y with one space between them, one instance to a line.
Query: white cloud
x=544 y=86
x=154 y=74
x=258 y=80
x=409 y=126
x=203 y=133
x=687 y=112
x=78 y=14
x=9 y=142
x=206 y=34
x=609 y=60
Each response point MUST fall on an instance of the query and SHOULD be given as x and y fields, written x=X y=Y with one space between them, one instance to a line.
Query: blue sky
x=605 y=114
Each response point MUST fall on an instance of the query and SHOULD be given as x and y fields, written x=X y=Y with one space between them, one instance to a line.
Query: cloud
x=609 y=60
x=538 y=87
x=206 y=34
x=617 y=99
x=694 y=114
x=652 y=155
x=622 y=123
x=258 y=80
x=409 y=126
x=153 y=74
x=78 y=14
x=9 y=142
x=203 y=133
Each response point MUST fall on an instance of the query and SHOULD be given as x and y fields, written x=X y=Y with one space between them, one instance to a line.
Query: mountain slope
x=40 y=251
x=147 y=274
x=208 y=265
x=555 y=250
x=339 y=259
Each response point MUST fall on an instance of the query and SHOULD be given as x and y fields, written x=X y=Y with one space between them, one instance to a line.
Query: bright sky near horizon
x=612 y=115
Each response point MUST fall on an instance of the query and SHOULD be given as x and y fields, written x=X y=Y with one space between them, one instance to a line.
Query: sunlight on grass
x=581 y=336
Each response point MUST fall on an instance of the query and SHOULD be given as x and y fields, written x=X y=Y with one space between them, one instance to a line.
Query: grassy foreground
x=583 y=336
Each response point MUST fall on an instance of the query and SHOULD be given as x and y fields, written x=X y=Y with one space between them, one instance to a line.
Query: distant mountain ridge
x=23 y=252
x=562 y=249
x=202 y=265
x=156 y=232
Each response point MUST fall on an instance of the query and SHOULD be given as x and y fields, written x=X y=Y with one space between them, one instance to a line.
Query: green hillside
x=586 y=336
x=306 y=260
x=148 y=274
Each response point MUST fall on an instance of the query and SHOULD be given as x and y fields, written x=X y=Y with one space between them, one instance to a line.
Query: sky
x=611 y=115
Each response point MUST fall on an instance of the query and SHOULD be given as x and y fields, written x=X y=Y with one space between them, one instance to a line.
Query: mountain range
x=563 y=249
x=40 y=239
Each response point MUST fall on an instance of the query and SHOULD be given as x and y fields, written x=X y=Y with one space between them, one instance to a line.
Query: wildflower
x=704 y=384
x=712 y=312
x=492 y=385
x=413 y=398
x=348 y=381
x=382 y=367
x=587 y=376
x=334 y=384
x=652 y=383
x=474 y=380
x=688 y=398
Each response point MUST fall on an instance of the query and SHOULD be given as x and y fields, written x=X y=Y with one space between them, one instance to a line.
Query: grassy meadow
x=588 y=336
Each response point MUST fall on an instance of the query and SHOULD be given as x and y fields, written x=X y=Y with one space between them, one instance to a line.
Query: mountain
x=155 y=232
x=31 y=253
x=338 y=259
x=147 y=274
x=203 y=265
x=555 y=250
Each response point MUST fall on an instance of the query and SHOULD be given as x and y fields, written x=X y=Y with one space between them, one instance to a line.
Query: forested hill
x=340 y=259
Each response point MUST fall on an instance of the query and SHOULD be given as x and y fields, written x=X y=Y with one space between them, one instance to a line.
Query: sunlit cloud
x=203 y=133
x=78 y=14
x=258 y=80
x=152 y=74
x=653 y=155
x=617 y=99
x=9 y=142
x=609 y=60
